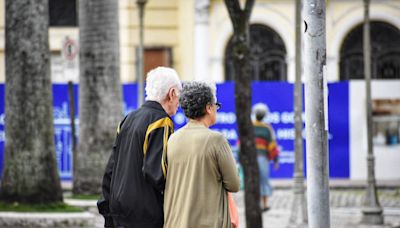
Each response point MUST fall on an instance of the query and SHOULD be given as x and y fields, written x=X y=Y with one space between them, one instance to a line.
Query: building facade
x=194 y=37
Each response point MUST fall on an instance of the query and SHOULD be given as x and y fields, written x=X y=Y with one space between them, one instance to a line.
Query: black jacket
x=135 y=174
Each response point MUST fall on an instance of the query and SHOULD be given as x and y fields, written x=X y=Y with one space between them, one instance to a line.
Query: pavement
x=345 y=208
x=346 y=203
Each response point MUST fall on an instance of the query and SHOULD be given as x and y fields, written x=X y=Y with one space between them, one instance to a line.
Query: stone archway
x=385 y=52
x=268 y=55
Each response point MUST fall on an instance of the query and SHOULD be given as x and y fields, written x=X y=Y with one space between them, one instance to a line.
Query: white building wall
x=387 y=158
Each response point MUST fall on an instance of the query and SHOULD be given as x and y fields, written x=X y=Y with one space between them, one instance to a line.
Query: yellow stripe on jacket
x=164 y=122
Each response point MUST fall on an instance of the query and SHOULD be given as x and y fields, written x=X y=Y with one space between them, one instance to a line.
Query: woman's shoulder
x=215 y=136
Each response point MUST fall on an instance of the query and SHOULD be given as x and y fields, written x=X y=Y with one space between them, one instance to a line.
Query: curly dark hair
x=194 y=98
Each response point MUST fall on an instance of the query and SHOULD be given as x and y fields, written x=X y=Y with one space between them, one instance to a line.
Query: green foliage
x=53 y=207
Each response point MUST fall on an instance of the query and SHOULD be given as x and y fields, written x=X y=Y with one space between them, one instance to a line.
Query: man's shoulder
x=148 y=114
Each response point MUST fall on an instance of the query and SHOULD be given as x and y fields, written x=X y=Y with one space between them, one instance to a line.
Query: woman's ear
x=208 y=109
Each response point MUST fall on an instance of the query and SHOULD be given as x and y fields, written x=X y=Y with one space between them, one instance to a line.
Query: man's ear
x=170 y=95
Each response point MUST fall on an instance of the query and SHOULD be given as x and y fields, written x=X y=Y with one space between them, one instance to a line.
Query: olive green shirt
x=201 y=170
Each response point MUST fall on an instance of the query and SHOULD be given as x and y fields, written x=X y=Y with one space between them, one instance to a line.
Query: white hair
x=260 y=109
x=159 y=81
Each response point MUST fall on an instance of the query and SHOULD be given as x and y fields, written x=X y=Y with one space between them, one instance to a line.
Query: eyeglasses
x=218 y=105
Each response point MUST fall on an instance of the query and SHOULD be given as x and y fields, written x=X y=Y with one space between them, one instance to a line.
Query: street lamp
x=298 y=215
x=372 y=212
x=140 y=74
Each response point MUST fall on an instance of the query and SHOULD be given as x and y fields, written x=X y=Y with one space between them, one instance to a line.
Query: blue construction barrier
x=277 y=95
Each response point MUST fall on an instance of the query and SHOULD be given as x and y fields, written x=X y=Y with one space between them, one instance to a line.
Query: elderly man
x=135 y=174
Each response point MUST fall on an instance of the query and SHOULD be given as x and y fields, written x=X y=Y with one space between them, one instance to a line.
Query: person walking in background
x=201 y=169
x=267 y=150
x=135 y=174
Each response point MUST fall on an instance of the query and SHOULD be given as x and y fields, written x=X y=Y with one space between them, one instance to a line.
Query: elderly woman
x=267 y=150
x=201 y=169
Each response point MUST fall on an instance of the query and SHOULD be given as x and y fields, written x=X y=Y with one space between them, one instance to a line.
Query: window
x=157 y=56
x=385 y=53
x=63 y=13
x=267 y=55
x=386 y=121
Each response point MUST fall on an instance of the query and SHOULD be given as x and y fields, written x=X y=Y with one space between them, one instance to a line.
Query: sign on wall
x=277 y=95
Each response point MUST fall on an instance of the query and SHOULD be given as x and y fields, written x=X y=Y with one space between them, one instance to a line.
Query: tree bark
x=30 y=173
x=248 y=156
x=100 y=97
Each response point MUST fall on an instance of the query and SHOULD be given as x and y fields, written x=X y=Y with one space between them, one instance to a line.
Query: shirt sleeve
x=103 y=204
x=227 y=166
x=154 y=149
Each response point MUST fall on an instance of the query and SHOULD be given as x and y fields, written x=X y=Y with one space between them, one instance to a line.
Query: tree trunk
x=248 y=156
x=100 y=97
x=30 y=173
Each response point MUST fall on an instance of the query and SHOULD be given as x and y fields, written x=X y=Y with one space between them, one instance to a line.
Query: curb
x=63 y=220
x=81 y=203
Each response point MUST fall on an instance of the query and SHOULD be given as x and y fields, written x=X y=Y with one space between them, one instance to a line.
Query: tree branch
x=248 y=8
x=235 y=12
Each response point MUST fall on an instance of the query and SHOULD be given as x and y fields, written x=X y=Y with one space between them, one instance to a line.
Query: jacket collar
x=154 y=105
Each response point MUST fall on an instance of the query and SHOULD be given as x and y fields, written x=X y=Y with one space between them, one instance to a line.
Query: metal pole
x=316 y=130
x=372 y=212
x=201 y=37
x=140 y=76
x=299 y=207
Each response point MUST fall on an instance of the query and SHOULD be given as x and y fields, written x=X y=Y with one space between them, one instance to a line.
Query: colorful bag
x=233 y=211
x=273 y=151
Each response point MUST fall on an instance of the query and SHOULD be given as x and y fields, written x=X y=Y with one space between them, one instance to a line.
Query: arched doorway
x=267 y=55
x=385 y=52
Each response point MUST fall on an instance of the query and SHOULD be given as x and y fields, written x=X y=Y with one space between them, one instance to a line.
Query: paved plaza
x=345 y=204
x=345 y=208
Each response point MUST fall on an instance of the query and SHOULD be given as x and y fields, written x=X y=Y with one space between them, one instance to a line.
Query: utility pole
x=316 y=127
x=372 y=211
x=72 y=124
x=201 y=36
x=140 y=75
x=299 y=207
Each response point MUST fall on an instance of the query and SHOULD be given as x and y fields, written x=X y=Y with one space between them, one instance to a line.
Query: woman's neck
x=202 y=121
